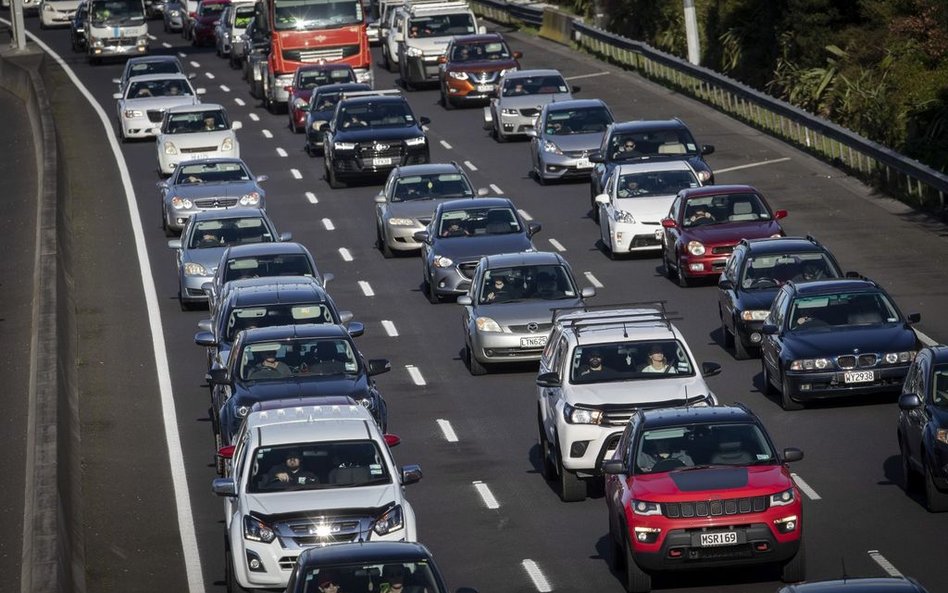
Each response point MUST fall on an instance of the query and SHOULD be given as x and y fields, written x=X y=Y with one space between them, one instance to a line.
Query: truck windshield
x=311 y=15
x=116 y=12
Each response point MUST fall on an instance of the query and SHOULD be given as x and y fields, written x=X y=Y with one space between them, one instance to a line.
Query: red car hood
x=711 y=482
x=729 y=233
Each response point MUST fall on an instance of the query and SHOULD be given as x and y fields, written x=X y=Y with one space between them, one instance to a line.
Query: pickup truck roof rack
x=379 y=93
x=422 y=6
x=623 y=314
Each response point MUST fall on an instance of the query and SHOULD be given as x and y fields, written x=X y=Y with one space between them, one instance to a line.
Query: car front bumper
x=582 y=447
x=348 y=164
x=56 y=18
x=749 y=332
x=563 y=166
x=139 y=127
x=449 y=281
x=174 y=21
x=830 y=384
x=495 y=347
x=702 y=266
x=422 y=69
x=191 y=291
x=516 y=124
x=465 y=91
x=636 y=236
x=401 y=238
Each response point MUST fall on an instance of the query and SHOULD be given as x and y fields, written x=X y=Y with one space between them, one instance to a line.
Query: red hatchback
x=305 y=80
x=706 y=223
x=697 y=488
x=208 y=15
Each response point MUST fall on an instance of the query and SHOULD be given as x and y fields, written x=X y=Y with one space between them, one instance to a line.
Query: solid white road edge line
x=593 y=75
x=496 y=189
x=311 y=197
x=366 y=288
x=887 y=566
x=470 y=165
x=191 y=554
x=344 y=253
x=557 y=245
x=486 y=495
x=445 y=144
x=327 y=223
x=415 y=375
x=389 y=328
x=592 y=279
x=749 y=165
x=537 y=576
x=525 y=215
x=802 y=485
x=296 y=174
x=448 y=431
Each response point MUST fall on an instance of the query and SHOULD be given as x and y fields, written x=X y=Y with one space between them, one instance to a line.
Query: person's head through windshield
x=210 y=123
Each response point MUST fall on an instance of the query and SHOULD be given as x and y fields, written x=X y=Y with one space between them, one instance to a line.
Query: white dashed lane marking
x=344 y=253
x=445 y=144
x=593 y=280
x=389 y=328
x=366 y=288
x=152 y=37
x=252 y=116
x=525 y=215
x=225 y=88
x=193 y=63
x=415 y=374
x=209 y=75
x=166 y=45
x=281 y=152
x=486 y=495
x=802 y=485
x=749 y=165
x=266 y=133
x=329 y=226
x=887 y=566
x=296 y=174
x=470 y=165
x=240 y=102
x=448 y=431
x=537 y=576
x=181 y=54
x=496 y=189
x=557 y=245
x=311 y=197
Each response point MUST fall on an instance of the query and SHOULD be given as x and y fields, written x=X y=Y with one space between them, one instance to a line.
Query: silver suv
x=424 y=32
x=600 y=366
x=308 y=472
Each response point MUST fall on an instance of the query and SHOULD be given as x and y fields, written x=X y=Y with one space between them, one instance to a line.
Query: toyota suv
x=424 y=34
x=696 y=488
x=599 y=367
x=303 y=473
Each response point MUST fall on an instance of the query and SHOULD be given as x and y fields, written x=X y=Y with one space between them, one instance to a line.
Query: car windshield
x=279 y=361
x=157 y=67
x=387 y=114
x=141 y=89
x=629 y=361
x=723 y=209
x=412 y=577
x=114 y=13
x=324 y=101
x=440 y=25
x=260 y=266
x=243 y=16
x=429 y=187
x=197 y=173
x=588 y=120
x=765 y=272
x=654 y=183
x=309 y=79
x=841 y=309
x=478 y=221
x=940 y=393
x=241 y=318
x=700 y=445
x=477 y=52
x=214 y=9
x=312 y=15
x=209 y=234
x=212 y=120
x=534 y=85
x=633 y=145
x=317 y=466
x=544 y=283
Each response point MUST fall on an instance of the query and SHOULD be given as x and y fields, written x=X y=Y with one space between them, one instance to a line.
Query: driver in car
x=290 y=473
x=662 y=451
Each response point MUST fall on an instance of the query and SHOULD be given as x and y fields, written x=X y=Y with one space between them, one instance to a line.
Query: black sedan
x=923 y=427
x=834 y=338
x=460 y=234
x=755 y=272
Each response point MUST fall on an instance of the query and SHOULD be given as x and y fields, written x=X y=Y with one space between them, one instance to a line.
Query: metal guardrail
x=900 y=176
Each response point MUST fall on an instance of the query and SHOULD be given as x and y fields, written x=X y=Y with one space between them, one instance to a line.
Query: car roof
x=277 y=293
x=717 y=190
x=656 y=418
x=364 y=551
x=819 y=287
x=198 y=107
x=528 y=73
x=647 y=125
x=857 y=585
x=339 y=87
x=616 y=324
x=475 y=203
x=525 y=258
x=375 y=99
x=227 y=213
x=288 y=332
x=479 y=37
x=574 y=104
x=222 y=159
x=271 y=248
x=783 y=245
x=163 y=76
x=304 y=410
x=152 y=58
x=427 y=169
x=311 y=428
x=650 y=166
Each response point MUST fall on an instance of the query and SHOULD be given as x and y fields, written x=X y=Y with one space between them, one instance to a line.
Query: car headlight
x=227 y=145
x=442 y=262
x=174 y=12
x=170 y=148
x=365 y=76
x=581 y=415
x=391 y=520
x=458 y=75
x=486 y=324
x=507 y=111
x=899 y=357
x=129 y=113
x=48 y=8
x=703 y=175
x=413 y=52
x=418 y=141
x=251 y=199
x=810 y=364
x=642 y=507
x=624 y=217
x=98 y=42
x=181 y=203
x=257 y=531
x=401 y=222
x=781 y=499
x=549 y=146
x=194 y=269
x=283 y=80
x=344 y=145
x=752 y=315
x=695 y=248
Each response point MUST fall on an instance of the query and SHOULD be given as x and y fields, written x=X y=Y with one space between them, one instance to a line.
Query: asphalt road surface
x=531 y=541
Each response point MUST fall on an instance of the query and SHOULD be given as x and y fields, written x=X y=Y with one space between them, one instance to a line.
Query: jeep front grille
x=714 y=508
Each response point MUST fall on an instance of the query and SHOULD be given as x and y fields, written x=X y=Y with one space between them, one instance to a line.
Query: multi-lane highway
x=483 y=509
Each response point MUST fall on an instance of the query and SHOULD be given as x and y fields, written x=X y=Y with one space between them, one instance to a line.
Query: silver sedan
x=523 y=93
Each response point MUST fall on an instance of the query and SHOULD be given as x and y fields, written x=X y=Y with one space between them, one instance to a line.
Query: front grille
x=541 y=328
x=323 y=54
x=198 y=149
x=207 y=203
x=380 y=149
x=301 y=533
x=467 y=268
x=530 y=112
x=120 y=41
x=851 y=361
x=722 y=250
x=483 y=77
x=715 y=508
x=155 y=115
x=645 y=241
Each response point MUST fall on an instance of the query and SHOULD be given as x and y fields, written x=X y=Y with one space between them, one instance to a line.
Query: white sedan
x=141 y=106
x=637 y=197
x=192 y=132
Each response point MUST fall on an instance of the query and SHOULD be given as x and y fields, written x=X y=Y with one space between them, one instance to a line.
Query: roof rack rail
x=622 y=316
x=621 y=309
x=416 y=6
x=379 y=93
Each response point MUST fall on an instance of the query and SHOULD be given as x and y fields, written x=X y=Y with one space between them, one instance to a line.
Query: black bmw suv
x=754 y=273
x=371 y=135
x=835 y=338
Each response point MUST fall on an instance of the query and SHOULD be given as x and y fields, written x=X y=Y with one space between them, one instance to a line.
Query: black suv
x=923 y=427
x=293 y=361
x=371 y=135
x=626 y=142
x=754 y=273
x=835 y=338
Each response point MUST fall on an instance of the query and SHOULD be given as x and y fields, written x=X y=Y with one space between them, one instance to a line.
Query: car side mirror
x=725 y=284
x=236 y=125
x=595 y=157
x=613 y=467
x=576 y=89
x=411 y=474
x=517 y=55
x=174 y=244
x=587 y=292
x=327 y=278
x=548 y=380
x=421 y=236
x=853 y=274
x=780 y=214
x=424 y=120
x=205 y=338
x=707 y=149
x=218 y=376
x=482 y=191
x=669 y=223
x=465 y=300
x=534 y=228
x=224 y=487
x=205 y=325
x=914 y=317
x=286 y=236
x=377 y=366
x=192 y=75
x=768 y=329
x=262 y=178
x=909 y=401
x=602 y=199
x=380 y=198
x=161 y=185
x=710 y=369
x=356 y=329
x=200 y=91
x=530 y=133
x=791 y=454
x=116 y=95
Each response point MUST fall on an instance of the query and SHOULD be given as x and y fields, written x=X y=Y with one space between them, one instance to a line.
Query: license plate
x=859 y=377
x=381 y=162
x=718 y=538
x=583 y=164
x=194 y=157
x=485 y=88
x=537 y=342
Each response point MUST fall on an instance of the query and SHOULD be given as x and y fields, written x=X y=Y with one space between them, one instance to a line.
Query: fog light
x=786 y=524
x=755 y=337
x=578 y=448
x=647 y=535
x=805 y=387
x=254 y=563
x=699 y=267
x=452 y=91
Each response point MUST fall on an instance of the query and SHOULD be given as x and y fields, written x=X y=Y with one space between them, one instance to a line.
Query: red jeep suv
x=698 y=488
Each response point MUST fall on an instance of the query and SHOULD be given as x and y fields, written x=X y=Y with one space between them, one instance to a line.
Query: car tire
x=740 y=351
x=383 y=245
x=169 y=232
x=230 y=581
x=547 y=466
x=910 y=478
x=218 y=460
x=727 y=338
x=636 y=579
x=768 y=388
x=498 y=135
x=794 y=570
x=332 y=179
x=446 y=102
x=936 y=501
x=787 y=402
x=616 y=549
x=433 y=297
x=666 y=266
x=475 y=367
x=683 y=280
x=572 y=488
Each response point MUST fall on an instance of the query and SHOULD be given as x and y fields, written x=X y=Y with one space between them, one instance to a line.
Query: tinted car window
x=723 y=208
x=331 y=464
x=360 y=576
x=211 y=173
x=439 y=25
x=547 y=282
x=295 y=264
x=625 y=361
x=157 y=88
x=425 y=187
x=472 y=52
x=588 y=120
x=843 y=309
x=653 y=143
x=376 y=115
x=478 y=221
x=195 y=122
x=668 y=448
x=940 y=391
x=233 y=231
x=313 y=78
x=653 y=183
x=767 y=271
x=242 y=318
x=279 y=361
x=534 y=85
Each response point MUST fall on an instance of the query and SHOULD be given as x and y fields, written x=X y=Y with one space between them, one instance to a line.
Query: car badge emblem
x=380 y=146
x=532 y=326
x=319 y=38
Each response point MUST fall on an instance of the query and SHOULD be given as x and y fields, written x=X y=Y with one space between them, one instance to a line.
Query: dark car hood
x=757 y=299
x=369 y=134
x=890 y=337
x=252 y=391
x=731 y=232
x=468 y=248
